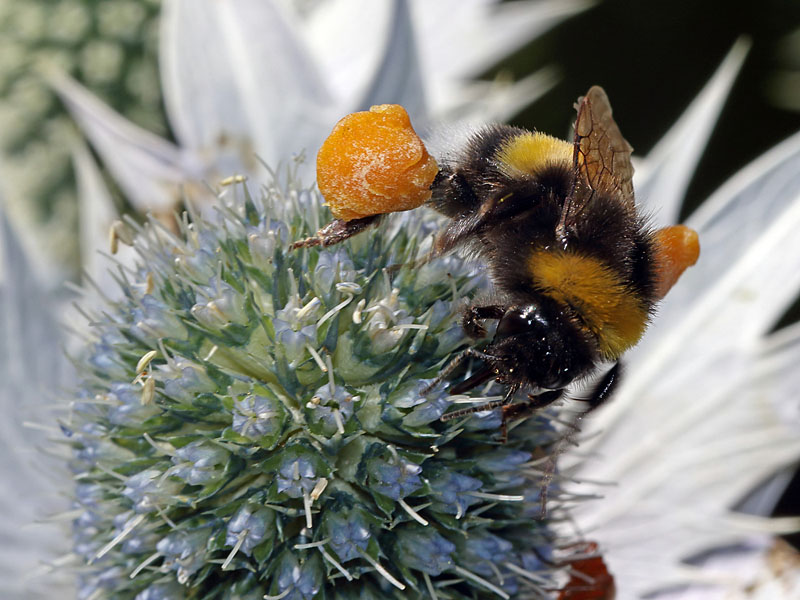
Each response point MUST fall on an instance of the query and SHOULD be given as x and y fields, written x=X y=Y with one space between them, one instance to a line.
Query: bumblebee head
x=536 y=346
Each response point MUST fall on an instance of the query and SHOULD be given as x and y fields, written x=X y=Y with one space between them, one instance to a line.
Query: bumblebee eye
x=518 y=320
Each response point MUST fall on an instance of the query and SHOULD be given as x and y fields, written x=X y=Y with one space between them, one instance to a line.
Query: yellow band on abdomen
x=610 y=310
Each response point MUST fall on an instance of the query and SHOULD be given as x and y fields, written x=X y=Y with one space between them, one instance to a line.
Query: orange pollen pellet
x=678 y=248
x=374 y=163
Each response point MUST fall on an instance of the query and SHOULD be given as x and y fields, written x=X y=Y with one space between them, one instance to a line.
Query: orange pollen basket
x=678 y=248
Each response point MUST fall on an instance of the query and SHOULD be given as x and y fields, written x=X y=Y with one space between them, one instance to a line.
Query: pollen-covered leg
x=336 y=231
x=677 y=249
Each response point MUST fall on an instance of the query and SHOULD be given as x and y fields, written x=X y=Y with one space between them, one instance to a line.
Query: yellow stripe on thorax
x=530 y=152
x=609 y=309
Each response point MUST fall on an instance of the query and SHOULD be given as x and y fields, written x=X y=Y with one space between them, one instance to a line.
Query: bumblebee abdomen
x=613 y=312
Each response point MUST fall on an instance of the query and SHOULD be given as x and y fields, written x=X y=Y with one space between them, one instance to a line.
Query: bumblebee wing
x=601 y=158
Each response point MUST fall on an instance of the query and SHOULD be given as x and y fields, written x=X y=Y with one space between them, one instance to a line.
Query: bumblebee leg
x=460 y=229
x=522 y=410
x=474 y=381
x=512 y=389
x=336 y=231
x=453 y=365
x=599 y=395
x=474 y=314
x=534 y=403
x=604 y=389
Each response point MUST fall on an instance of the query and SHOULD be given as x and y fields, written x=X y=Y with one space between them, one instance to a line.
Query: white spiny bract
x=276 y=444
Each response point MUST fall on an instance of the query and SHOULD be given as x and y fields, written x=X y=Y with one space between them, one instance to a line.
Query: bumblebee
x=576 y=270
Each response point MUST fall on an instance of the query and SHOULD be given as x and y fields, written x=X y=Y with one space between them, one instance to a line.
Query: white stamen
x=119 y=537
x=119 y=232
x=165 y=354
x=410 y=326
x=167 y=520
x=393 y=452
x=62 y=560
x=304 y=312
x=348 y=287
x=498 y=497
x=145 y=360
x=357 y=314
x=453 y=287
x=497 y=572
x=317 y=358
x=429 y=585
x=307 y=509
x=280 y=596
x=337 y=416
x=110 y=472
x=232 y=179
x=239 y=541
x=144 y=563
x=95 y=595
x=211 y=352
x=334 y=310
x=318 y=544
x=148 y=391
x=322 y=483
x=459 y=511
x=382 y=571
x=41 y=427
x=336 y=564
x=162 y=447
x=524 y=573
x=412 y=513
x=488 y=585
x=331 y=382
x=113 y=240
x=67 y=515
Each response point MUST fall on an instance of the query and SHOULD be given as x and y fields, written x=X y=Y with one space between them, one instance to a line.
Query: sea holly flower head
x=265 y=422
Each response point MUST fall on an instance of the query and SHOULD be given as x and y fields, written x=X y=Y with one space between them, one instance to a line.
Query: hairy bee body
x=576 y=271
x=573 y=263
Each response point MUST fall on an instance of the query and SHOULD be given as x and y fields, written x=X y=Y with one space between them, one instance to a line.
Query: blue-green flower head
x=254 y=422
